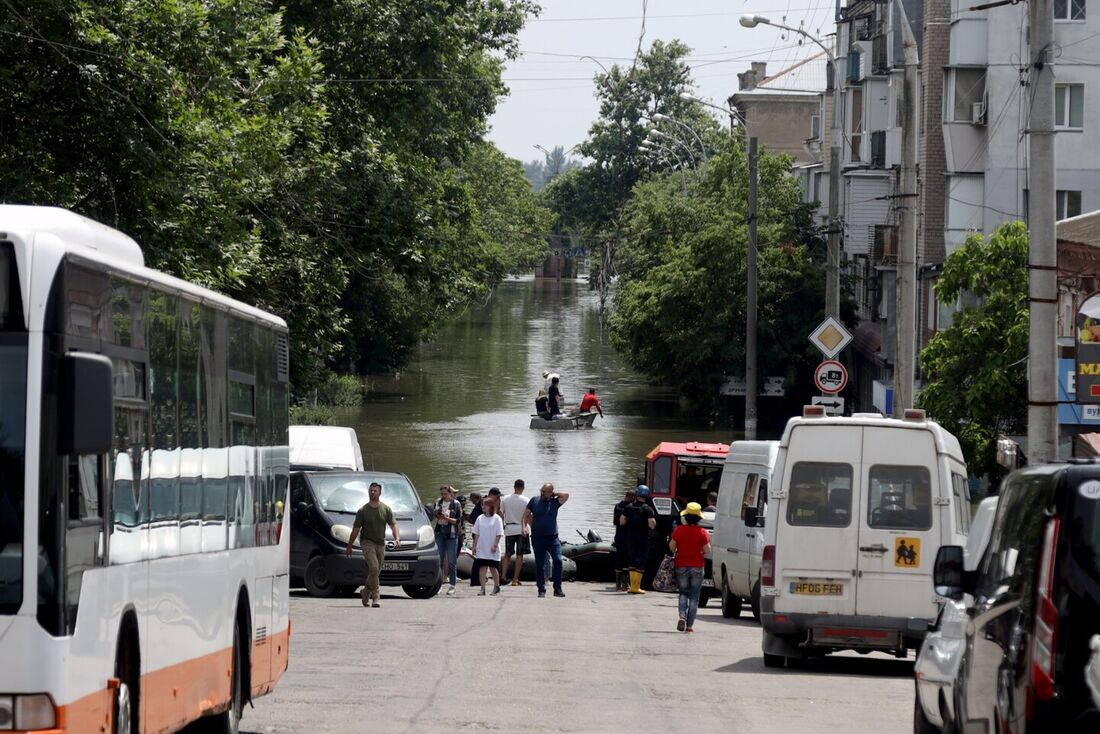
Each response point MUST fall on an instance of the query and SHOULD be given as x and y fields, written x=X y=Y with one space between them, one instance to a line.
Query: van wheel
x=317 y=580
x=704 y=597
x=774 y=661
x=731 y=605
x=423 y=592
x=754 y=600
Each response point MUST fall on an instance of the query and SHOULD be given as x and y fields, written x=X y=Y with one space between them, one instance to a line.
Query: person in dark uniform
x=639 y=519
x=622 y=545
x=555 y=397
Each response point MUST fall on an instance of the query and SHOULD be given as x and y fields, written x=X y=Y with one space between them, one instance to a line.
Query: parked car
x=738 y=540
x=324 y=447
x=1036 y=606
x=325 y=503
x=942 y=652
x=857 y=508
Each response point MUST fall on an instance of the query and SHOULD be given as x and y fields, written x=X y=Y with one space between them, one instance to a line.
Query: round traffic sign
x=830 y=376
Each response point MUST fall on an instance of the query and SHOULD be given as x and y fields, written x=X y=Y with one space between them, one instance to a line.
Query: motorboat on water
x=564 y=423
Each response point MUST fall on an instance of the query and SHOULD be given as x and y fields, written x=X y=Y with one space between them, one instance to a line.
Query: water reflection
x=459 y=413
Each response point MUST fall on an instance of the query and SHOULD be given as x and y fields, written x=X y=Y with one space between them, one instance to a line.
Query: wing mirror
x=948 y=576
x=301 y=512
x=88 y=404
x=751 y=516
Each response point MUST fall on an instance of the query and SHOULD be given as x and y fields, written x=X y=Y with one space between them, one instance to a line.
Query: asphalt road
x=596 y=661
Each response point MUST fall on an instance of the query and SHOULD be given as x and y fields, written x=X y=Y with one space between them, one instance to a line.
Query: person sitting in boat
x=590 y=401
x=542 y=405
x=556 y=398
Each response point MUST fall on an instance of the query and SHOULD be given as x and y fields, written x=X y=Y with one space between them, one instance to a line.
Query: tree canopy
x=322 y=161
x=979 y=399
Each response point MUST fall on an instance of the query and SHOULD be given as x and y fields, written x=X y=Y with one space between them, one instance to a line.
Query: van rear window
x=901 y=498
x=820 y=494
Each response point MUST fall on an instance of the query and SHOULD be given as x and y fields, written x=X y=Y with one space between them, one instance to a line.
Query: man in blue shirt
x=541 y=516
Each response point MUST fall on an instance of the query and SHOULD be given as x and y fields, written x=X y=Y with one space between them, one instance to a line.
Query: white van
x=324 y=447
x=858 y=508
x=738 y=539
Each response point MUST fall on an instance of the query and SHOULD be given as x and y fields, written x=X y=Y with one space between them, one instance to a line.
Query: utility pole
x=905 y=360
x=750 y=303
x=1042 y=395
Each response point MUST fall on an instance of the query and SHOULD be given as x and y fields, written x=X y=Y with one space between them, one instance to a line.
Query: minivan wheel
x=423 y=592
x=754 y=600
x=774 y=661
x=317 y=580
x=731 y=605
x=921 y=724
x=704 y=597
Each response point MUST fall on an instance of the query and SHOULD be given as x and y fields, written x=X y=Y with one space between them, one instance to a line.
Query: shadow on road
x=868 y=667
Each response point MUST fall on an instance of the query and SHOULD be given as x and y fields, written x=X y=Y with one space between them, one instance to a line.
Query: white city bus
x=143 y=472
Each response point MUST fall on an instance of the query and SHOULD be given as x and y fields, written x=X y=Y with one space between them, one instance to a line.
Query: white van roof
x=946 y=443
x=336 y=447
x=757 y=453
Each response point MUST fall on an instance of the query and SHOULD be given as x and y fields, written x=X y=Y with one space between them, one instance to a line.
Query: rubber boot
x=636 y=582
x=621 y=583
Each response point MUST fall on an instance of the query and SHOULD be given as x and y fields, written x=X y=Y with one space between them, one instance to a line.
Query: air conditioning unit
x=977 y=113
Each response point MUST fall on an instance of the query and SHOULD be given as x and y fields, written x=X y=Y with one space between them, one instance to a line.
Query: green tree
x=679 y=308
x=978 y=399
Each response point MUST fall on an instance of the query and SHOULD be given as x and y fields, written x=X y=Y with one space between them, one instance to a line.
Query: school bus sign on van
x=1088 y=351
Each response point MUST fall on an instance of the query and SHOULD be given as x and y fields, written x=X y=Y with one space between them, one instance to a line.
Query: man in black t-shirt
x=556 y=399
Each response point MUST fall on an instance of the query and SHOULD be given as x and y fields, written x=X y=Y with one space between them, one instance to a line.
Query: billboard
x=1088 y=350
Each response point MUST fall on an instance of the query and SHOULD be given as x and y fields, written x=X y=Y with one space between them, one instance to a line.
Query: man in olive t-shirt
x=372 y=519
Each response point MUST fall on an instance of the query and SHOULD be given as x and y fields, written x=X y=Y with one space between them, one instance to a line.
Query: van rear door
x=815 y=532
x=898 y=517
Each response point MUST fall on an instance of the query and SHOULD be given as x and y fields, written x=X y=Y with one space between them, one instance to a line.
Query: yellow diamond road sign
x=830 y=337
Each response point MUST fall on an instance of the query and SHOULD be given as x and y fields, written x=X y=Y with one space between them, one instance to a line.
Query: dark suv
x=324 y=506
x=1036 y=604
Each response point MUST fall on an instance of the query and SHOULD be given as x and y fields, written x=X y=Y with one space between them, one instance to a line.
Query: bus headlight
x=425 y=537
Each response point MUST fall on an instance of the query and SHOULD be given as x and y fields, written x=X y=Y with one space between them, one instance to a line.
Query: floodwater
x=459 y=412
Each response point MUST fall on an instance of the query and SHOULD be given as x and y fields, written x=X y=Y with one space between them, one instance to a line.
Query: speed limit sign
x=830 y=376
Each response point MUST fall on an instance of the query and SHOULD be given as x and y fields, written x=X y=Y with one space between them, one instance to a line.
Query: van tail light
x=767 y=566
x=1045 y=634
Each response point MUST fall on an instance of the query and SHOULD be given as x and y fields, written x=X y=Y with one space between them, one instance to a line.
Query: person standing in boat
x=639 y=519
x=622 y=545
x=547 y=377
x=556 y=398
x=590 y=401
x=542 y=405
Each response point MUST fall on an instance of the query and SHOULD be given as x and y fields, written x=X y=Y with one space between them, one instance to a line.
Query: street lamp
x=655 y=134
x=660 y=117
x=832 y=266
x=651 y=146
x=731 y=111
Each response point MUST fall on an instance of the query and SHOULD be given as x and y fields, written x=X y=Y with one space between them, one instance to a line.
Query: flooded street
x=459 y=412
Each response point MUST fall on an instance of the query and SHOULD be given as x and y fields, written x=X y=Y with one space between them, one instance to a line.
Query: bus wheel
x=318 y=582
x=229 y=721
x=126 y=696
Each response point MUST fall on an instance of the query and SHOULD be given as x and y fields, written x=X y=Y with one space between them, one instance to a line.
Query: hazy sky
x=551 y=101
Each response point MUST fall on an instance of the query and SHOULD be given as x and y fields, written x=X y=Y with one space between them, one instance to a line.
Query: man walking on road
x=515 y=532
x=372 y=519
x=541 y=516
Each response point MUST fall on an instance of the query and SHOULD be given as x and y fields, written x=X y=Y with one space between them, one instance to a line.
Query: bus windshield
x=13 y=406
x=348 y=492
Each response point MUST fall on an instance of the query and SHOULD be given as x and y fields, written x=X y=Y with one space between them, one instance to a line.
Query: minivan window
x=899 y=498
x=344 y=493
x=1085 y=535
x=1009 y=564
x=820 y=494
x=961 y=489
x=748 y=499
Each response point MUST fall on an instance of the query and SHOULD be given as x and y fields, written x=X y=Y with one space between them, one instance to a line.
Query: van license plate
x=395 y=566
x=816 y=588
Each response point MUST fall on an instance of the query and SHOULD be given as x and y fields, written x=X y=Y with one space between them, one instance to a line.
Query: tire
x=229 y=721
x=126 y=718
x=731 y=605
x=317 y=580
x=704 y=597
x=774 y=661
x=423 y=592
x=921 y=724
x=754 y=600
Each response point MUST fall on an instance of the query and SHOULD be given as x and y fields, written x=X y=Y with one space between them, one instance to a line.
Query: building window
x=1069 y=106
x=967 y=93
x=856 y=96
x=1068 y=204
x=1069 y=9
x=815 y=126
